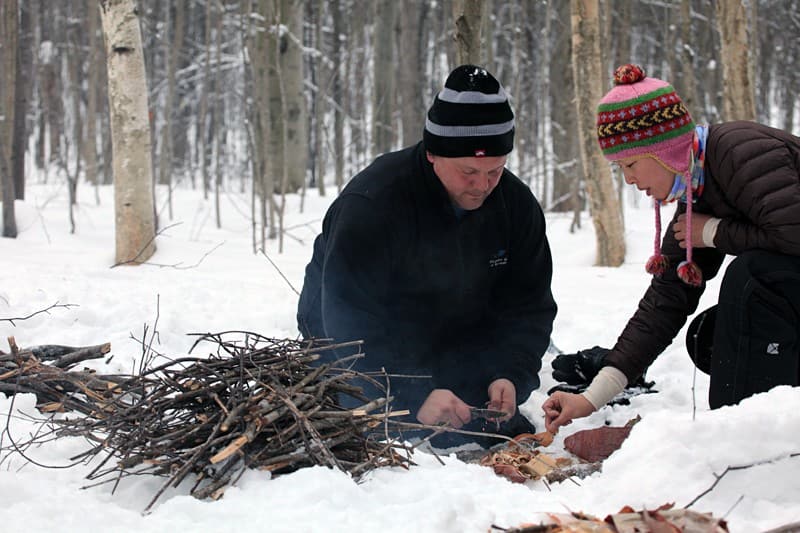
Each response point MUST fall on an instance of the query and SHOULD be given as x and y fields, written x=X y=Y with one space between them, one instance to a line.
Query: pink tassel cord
x=688 y=271
x=658 y=263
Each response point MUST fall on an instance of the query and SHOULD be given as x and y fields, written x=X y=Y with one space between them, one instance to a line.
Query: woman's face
x=648 y=175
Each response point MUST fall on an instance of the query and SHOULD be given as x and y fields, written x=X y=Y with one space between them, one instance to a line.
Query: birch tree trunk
x=287 y=115
x=468 y=18
x=130 y=132
x=738 y=93
x=8 y=62
x=586 y=64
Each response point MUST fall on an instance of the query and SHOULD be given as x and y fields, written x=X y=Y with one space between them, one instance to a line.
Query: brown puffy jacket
x=752 y=183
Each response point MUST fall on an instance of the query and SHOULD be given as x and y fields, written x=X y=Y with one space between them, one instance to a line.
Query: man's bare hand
x=561 y=408
x=443 y=407
x=503 y=397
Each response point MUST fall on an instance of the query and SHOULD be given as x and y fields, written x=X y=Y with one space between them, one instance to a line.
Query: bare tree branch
x=279 y=272
x=47 y=310
x=731 y=469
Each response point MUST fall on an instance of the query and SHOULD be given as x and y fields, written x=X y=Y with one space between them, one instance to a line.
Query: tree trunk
x=8 y=61
x=687 y=87
x=203 y=116
x=586 y=64
x=90 y=146
x=258 y=44
x=468 y=18
x=410 y=82
x=361 y=12
x=219 y=113
x=130 y=131
x=338 y=93
x=277 y=112
x=293 y=82
x=23 y=81
x=624 y=38
x=524 y=132
x=165 y=166
x=73 y=140
x=490 y=28
x=738 y=92
x=383 y=78
x=563 y=121
x=319 y=101
x=51 y=82
x=287 y=99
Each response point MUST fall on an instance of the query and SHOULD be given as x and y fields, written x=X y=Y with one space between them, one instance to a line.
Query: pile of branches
x=253 y=402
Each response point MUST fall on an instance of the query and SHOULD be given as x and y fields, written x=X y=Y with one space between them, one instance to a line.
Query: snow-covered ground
x=207 y=279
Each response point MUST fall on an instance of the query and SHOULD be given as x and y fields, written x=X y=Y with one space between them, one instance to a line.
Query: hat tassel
x=657 y=264
x=688 y=271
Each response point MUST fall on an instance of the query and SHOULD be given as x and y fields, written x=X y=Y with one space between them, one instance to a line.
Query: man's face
x=648 y=175
x=468 y=180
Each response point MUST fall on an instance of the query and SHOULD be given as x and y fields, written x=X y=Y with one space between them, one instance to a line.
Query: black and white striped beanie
x=470 y=116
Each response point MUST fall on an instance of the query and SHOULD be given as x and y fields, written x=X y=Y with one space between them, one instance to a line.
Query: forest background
x=273 y=96
x=248 y=104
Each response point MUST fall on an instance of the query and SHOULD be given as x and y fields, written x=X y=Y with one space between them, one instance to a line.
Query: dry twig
x=46 y=310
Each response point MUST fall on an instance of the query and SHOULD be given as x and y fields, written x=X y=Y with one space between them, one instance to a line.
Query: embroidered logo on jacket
x=773 y=348
x=498 y=259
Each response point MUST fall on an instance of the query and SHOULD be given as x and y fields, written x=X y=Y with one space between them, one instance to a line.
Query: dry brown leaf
x=543 y=438
x=596 y=444
x=510 y=472
x=662 y=520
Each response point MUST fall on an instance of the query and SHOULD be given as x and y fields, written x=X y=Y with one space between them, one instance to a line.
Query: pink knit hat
x=645 y=117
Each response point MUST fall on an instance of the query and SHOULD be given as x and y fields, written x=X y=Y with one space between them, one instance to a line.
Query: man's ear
x=430 y=156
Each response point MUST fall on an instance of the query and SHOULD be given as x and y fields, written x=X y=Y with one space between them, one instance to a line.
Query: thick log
x=61 y=356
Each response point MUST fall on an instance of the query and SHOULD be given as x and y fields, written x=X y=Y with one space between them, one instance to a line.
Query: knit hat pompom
x=629 y=73
x=690 y=273
x=657 y=264
x=470 y=116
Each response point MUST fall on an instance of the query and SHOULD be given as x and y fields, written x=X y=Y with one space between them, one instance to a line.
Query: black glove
x=579 y=368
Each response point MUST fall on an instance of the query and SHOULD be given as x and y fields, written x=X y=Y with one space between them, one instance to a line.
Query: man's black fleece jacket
x=465 y=299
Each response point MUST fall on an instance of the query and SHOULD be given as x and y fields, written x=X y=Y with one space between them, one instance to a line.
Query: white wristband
x=710 y=231
x=606 y=384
